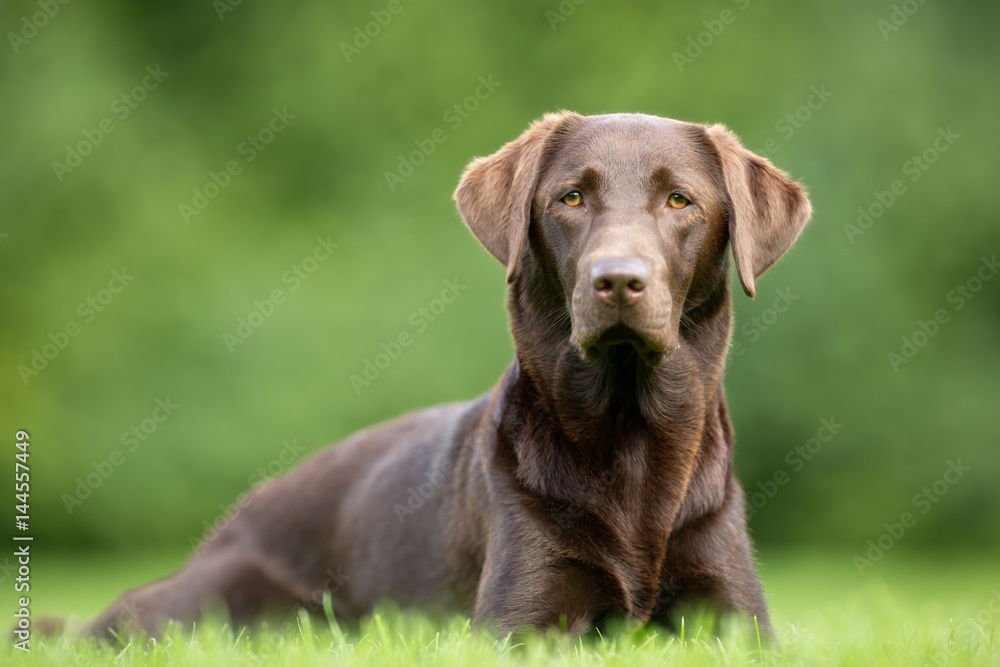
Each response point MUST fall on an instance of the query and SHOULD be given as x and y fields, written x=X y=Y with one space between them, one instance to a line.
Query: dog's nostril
x=620 y=280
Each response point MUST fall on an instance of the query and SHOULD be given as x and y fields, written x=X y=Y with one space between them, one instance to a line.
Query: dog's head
x=628 y=216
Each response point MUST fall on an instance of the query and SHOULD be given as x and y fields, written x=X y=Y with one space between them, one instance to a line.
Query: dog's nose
x=621 y=281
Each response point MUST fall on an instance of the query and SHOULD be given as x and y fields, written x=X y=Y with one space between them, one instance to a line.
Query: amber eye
x=677 y=201
x=573 y=198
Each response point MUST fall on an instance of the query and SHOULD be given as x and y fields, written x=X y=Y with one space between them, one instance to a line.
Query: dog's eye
x=573 y=198
x=677 y=201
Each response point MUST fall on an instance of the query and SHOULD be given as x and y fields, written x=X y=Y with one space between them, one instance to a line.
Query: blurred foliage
x=323 y=176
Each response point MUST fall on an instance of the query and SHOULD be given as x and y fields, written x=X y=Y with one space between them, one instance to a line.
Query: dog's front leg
x=711 y=563
x=527 y=587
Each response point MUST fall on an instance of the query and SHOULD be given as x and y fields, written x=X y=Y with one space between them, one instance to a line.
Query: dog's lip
x=619 y=333
x=649 y=350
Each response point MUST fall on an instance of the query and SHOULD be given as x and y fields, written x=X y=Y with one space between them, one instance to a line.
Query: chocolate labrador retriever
x=596 y=479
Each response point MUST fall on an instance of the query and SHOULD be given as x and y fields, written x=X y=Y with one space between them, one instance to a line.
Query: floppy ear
x=767 y=210
x=495 y=193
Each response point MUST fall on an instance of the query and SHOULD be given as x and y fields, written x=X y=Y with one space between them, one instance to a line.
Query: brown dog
x=596 y=479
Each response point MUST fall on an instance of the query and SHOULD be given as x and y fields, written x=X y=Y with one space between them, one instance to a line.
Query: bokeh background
x=841 y=95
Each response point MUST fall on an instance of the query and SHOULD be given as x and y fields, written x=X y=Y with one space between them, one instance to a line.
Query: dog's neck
x=595 y=401
x=582 y=437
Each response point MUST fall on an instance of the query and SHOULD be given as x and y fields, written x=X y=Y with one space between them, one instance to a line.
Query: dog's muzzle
x=622 y=304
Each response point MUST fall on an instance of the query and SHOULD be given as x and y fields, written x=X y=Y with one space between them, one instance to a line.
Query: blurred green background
x=833 y=96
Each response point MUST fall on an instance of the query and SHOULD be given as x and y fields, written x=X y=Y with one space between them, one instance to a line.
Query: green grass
x=908 y=610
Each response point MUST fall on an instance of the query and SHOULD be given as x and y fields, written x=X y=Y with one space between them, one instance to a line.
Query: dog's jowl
x=596 y=478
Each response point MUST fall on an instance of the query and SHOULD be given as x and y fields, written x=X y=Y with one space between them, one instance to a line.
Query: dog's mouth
x=620 y=338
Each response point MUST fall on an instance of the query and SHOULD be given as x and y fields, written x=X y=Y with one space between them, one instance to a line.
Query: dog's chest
x=621 y=533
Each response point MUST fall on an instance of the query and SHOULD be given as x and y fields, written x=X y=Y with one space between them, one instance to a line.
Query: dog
x=595 y=480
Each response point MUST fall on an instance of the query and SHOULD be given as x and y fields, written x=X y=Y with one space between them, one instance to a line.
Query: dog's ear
x=767 y=210
x=495 y=193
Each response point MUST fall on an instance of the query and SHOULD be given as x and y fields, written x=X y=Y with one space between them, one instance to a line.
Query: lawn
x=907 y=609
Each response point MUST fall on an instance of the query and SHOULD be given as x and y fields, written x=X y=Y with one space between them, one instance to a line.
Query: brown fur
x=596 y=478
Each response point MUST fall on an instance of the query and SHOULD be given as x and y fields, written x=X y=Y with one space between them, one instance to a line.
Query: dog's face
x=630 y=215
